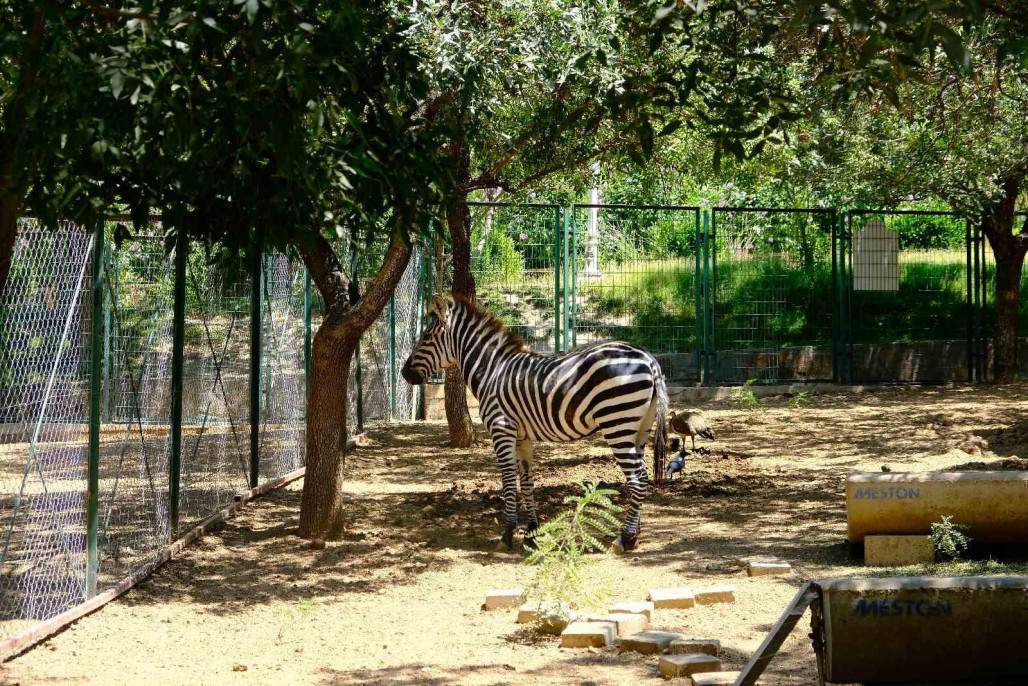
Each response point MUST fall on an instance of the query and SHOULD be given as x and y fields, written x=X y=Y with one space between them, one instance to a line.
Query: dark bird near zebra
x=690 y=425
x=676 y=465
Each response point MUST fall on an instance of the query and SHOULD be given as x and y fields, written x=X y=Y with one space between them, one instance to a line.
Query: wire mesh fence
x=770 y=272
x=516 y=253
x=86 y=494
x=910 y=296
x=634 y=275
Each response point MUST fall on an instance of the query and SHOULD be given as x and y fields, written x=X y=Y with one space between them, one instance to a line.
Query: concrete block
x=675 y=598
x=588 y=635
x=994 y=505
x=672 y=666
x=714 y=678
x=896 y=551
x=715 y=594
x=626 y=622
x=686 y=646
x=925 y=629
x=499 y=598
x=648 y=642
x=746 y=560
x=643 y=607
x=768 y=568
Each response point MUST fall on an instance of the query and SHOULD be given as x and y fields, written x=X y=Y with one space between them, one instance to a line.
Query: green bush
x=500 y=259
x=949 y=539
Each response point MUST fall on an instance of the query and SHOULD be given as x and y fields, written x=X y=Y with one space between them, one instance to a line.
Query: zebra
x=612 y=388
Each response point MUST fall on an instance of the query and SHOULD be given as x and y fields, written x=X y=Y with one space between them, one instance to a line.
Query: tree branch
x=325 y=269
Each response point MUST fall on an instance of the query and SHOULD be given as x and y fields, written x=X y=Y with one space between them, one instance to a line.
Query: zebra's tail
x=660 y=435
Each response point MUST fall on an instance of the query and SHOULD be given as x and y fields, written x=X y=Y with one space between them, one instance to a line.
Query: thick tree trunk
x=458 y=221
x=1008 y=298
x=458 y=417
x=321 y=505
x=1009 y=251
x=10 y=210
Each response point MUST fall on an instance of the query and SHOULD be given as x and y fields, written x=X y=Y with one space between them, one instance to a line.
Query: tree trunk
x=458 y=417
x=1008 y=298
x=10 y=210
x=321 y=505
x=1009 y=251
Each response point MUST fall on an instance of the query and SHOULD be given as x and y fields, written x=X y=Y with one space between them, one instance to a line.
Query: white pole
x=592 y=236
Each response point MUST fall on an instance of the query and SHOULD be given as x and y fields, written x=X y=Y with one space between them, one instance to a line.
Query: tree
x=284 y=126
x=51 y=122
x=532 y=89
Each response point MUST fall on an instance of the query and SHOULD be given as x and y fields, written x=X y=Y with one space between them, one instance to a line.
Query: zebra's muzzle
x=410 y=376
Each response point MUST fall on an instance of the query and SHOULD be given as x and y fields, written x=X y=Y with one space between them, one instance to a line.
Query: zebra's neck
x=481 y=343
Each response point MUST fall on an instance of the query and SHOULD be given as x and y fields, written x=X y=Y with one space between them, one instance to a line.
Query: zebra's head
x=434 y=351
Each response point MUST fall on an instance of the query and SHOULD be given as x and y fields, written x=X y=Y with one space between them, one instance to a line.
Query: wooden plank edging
x=27 y=639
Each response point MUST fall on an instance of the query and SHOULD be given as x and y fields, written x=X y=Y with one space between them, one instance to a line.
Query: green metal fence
x=126 y=412
x=729 y=295
x=634 y=275
x=770 y=270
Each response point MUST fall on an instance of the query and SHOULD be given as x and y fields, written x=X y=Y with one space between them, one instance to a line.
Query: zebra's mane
x=511 y=341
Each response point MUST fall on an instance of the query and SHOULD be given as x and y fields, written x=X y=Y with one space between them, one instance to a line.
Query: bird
x=691 y=425
x=676 y=465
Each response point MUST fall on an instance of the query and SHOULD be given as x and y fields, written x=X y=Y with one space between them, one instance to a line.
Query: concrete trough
x=921 y=629
x=994 y=505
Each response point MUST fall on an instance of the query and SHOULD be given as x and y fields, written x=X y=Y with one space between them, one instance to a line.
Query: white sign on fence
x=875 y=258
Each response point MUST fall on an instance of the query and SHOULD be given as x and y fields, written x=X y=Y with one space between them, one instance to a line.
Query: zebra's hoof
x=622 y=545
x=502 y=547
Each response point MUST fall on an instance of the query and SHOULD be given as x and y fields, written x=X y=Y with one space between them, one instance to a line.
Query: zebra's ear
x=438 y=307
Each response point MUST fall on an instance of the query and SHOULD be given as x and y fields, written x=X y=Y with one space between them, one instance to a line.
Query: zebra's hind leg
x=523 y=452
x=630 y=456
x=503 y=445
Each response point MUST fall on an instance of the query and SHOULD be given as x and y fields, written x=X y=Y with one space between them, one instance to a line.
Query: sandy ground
x=398 y=599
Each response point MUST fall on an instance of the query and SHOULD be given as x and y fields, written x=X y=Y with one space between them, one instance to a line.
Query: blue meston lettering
x=901 y=607
x=888 y=493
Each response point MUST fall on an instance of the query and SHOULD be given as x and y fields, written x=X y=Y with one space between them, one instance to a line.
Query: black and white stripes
x=612 y=388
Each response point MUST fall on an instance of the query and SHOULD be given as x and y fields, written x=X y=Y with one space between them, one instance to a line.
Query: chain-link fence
x=91 y=450
x=634 y=275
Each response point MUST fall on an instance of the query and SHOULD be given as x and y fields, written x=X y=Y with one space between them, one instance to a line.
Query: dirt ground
x=397 y=600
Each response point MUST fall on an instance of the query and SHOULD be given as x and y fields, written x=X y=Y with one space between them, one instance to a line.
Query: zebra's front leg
x=503 y=444
x=523 y=452
x=630 y=458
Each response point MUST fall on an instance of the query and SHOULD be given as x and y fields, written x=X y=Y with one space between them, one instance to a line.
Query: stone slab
x=672 y=598
x=588 y=635
x=714 y=678
x=768 y=568
x=648 y=642
x=710 y=595
x=671 y=666
x=897 y=551
x=627 y=623
x=499 y=598
x=687 y=646
x=642 y=607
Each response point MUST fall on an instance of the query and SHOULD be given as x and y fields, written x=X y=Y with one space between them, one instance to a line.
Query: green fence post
x=306 y=333
x=847 y=298
x=108 y=390
x=566 y=263
x=95 y=378
x=697 y=294
x=708 y=312
x=574 y=278
x=357 y=374
x=837 y=308
x=392 y=357
x=979 y=292
x=556 y=279
x=970 y=303
x=177 y=367
x=256 y=329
